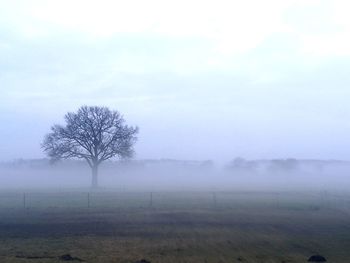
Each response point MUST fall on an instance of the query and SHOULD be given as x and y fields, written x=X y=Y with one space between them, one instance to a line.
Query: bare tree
x=94 y=134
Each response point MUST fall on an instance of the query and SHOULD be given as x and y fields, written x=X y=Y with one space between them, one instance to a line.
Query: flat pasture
x=111 y=226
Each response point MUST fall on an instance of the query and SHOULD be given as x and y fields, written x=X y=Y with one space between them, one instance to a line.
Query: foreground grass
x=244 y=231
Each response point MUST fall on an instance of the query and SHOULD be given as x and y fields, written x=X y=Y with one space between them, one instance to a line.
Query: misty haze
x=174 y=131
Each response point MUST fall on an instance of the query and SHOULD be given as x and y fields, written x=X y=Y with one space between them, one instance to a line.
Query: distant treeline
x=239 y=165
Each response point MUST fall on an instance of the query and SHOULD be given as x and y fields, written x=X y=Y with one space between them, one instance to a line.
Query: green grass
x=179 y=227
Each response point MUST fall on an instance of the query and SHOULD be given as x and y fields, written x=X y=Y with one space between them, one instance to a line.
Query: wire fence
x=158 y=199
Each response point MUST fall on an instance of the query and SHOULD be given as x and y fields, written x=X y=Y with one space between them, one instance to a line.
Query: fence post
x=151 y=199
x=214 y=199
x=325 y=199
x=278 y=200
x=88 y=200
x=24 y=200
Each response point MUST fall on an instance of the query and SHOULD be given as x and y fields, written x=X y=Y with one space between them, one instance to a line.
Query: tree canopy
x=94 y=134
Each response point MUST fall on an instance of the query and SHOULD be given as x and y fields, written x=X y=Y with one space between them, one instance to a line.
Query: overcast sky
x=202 y=79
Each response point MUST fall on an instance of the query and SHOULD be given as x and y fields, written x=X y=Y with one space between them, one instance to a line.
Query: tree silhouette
x=94 y=134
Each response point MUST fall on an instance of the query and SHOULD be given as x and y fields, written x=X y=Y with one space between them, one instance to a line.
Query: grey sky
x=202 y=79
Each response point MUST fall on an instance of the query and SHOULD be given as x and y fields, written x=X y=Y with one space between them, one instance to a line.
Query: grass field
x=174 y=227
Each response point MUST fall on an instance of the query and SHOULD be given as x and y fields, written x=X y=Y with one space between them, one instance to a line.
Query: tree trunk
x=94 y=182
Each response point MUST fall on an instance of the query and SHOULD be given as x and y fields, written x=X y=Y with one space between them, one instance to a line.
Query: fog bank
x=178 y=175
